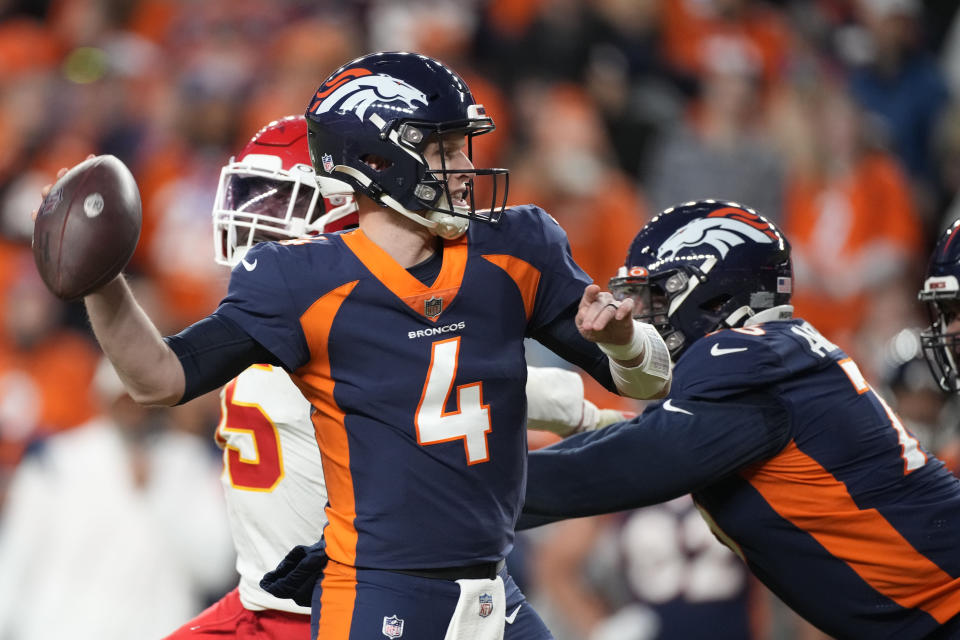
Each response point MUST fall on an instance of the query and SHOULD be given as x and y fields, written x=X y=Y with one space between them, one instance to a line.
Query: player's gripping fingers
x=46 y=190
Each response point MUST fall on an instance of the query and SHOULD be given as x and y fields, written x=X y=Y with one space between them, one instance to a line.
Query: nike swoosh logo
x=513 y=616
x=668 y=405
x=250 y=267
x=716 y=350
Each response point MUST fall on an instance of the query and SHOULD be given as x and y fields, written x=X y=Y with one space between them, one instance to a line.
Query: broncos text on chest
x=436 y=331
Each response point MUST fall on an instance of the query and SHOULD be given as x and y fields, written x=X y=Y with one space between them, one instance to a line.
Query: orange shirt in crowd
x=46 y=388
x=833 y=229
x=688 y=27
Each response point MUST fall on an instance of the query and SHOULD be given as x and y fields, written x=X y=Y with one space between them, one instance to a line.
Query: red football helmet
x=270 y=192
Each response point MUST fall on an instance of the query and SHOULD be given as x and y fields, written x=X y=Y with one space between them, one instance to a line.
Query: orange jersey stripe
x=399 y=281
x=316 y=383
x=862 y=538
x=339 y=585
x=525 y=275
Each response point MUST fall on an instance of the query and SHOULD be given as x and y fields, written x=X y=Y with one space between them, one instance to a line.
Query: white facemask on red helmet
x=270 y=192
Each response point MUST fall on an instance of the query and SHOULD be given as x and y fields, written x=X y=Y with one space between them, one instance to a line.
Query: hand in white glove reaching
x=555 y=403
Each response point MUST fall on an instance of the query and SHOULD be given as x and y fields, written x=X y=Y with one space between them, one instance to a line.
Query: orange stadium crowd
x=838 y=119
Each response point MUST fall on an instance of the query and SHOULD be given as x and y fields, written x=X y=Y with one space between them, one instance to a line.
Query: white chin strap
x=773 y=314
x=445 y=225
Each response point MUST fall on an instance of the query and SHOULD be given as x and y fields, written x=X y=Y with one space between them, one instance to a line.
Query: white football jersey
x=272 y=477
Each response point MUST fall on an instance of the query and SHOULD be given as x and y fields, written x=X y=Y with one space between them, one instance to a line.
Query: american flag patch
x=784 y=285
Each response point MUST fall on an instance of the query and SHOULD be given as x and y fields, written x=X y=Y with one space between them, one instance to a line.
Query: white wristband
x=629 y=351
x=652 y=376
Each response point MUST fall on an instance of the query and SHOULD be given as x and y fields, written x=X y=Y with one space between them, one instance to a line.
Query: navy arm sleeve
x=561 y=336
x=662 y=454
x=212 y=352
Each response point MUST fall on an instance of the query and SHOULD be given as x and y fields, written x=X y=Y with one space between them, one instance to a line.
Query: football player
x=941 y=292
x=406 y=335
x=794 y=460
x=272 y=476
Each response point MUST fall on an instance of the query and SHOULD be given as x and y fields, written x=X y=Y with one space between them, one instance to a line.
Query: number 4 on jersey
x=471 y=420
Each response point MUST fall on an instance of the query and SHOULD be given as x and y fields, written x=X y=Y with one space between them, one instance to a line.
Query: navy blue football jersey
x=417 y=391
x=814 y=482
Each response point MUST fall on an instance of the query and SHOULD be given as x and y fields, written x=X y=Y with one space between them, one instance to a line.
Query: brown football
x=87 y=227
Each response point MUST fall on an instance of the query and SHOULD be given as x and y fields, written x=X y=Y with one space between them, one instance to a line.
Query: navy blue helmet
x=703 y=266
x=941 y=292
x=389 y=107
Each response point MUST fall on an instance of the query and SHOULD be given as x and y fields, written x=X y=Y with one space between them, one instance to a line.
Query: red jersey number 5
x=251 y=446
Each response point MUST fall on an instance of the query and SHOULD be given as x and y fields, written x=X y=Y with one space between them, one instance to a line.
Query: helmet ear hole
x=716 y=303
x=375 y=162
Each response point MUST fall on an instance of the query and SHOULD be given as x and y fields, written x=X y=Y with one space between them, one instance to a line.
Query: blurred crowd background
x=838 y=119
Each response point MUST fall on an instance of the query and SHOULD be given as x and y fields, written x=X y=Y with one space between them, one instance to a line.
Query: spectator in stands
x=720 y=150
x=857 y=240
x=113 y=530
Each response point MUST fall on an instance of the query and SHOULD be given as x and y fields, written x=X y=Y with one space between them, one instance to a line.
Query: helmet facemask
x=711 y=265
x=370 y=123
x=652 y=297
x=433 y=189
x=681 y=311
x=941 y=341
x=254 y=203
x=429 y=202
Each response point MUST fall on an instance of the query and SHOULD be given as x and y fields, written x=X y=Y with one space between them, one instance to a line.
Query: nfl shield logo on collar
x=432 y=307
x=327 y=160
x=486 y=605
x=392 y=626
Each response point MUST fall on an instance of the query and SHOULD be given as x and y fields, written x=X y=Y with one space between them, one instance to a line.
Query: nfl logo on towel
x=433 y=307
x=392 y=626
x=486 y=605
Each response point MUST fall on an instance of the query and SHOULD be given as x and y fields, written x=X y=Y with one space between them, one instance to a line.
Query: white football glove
x=555 y=403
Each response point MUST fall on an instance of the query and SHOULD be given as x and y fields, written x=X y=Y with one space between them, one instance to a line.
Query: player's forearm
x=656 y=457
x=149 y=369
x=556 y=403
x=640 y=368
